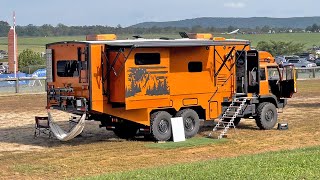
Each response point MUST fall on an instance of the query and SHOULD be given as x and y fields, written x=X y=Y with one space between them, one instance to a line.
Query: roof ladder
x=227 y=119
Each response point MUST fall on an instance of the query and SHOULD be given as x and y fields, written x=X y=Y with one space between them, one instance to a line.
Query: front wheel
x=267 y=116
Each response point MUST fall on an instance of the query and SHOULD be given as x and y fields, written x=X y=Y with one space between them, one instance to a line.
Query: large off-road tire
x=191 y=122
x=125 y=131
x=267 y=116
x=160 y=125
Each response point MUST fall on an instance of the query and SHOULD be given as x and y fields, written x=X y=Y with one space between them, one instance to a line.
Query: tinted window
x=67 y=68
x=147 y=58
x=195 y=66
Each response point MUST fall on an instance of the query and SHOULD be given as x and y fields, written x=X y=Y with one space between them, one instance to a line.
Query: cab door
x=288 y=82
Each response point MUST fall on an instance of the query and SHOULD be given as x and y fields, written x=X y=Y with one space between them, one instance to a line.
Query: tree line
x=63 y=30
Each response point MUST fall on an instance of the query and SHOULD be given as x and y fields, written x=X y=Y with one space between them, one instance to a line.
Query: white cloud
x=235 y=5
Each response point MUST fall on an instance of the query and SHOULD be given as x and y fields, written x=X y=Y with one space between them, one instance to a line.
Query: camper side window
x=147 y=58
x=195 y=66
x=67 y=68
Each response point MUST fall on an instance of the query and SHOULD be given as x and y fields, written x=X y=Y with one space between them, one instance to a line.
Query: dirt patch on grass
x=99 y=151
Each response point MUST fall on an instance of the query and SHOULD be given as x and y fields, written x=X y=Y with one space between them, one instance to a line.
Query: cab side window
x=273 y=73
x=262 y=74
x=67 y=68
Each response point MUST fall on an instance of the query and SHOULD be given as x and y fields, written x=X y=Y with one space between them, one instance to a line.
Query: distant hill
x=219 y=22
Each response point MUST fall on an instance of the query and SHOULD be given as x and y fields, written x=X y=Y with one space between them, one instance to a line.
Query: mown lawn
x=193 y=142
x=290 y=164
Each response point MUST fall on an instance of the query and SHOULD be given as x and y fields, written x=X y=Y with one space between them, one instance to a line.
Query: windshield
x=273 y=73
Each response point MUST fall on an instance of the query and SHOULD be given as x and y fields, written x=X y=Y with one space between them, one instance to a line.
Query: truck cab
x=264 y=84
x=275 y=81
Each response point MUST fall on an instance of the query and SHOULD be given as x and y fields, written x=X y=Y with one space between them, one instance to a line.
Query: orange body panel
x=97 y=97
x=141 y=80
x=99 y=102
x=117 y=87
x=69 y=52
x=266 y=60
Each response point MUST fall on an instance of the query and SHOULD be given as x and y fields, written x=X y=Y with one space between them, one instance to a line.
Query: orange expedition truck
x=136 y=86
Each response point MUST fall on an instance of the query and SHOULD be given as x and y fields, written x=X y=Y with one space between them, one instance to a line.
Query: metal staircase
x=228 y=117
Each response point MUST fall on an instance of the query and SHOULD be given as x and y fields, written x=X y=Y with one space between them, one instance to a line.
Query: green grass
x=33 y=168
x=38 y=43
x=188 y=143
x=290 y=164
x=309 y=39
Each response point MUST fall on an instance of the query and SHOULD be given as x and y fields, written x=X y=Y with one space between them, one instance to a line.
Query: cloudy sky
x=129 y=12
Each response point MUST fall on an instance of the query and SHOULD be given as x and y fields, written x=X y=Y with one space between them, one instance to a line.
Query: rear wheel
x=160 y=124
x=267 y=116
x=191 y=122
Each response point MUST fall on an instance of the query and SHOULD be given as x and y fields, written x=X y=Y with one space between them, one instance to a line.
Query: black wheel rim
x=163 y=126
x=189 y=124
x=269 y=116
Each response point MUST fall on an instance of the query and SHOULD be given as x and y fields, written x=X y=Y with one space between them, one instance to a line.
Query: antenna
x=14 y=45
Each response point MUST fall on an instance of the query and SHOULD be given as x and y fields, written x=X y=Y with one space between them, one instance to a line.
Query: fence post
x=314 y=72
x=17 y=85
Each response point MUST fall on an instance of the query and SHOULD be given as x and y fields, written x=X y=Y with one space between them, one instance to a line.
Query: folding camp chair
x=42 y=127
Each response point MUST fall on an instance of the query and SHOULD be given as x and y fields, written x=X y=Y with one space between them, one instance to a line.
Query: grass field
x=247 y=153
x=289 y=164
x=309 y=39
x=38 y=43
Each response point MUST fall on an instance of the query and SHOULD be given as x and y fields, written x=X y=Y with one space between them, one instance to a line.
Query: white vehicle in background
x=282 y=60
x=285 y=58
x=300 y=62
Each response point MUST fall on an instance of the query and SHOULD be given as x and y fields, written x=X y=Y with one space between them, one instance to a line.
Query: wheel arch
x=171 y=111
x=271 y=99
x=200 y=111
